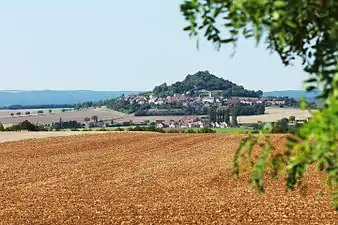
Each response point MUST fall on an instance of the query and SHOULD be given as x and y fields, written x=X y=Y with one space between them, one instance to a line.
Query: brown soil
x=144 y=178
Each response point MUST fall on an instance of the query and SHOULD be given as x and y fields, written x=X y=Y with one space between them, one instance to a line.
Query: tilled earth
x=145 y=178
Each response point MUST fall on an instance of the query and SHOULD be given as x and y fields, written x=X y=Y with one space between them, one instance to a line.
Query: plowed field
x=144 y=178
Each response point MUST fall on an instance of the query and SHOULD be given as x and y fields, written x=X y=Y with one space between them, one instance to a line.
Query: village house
x=160 y=125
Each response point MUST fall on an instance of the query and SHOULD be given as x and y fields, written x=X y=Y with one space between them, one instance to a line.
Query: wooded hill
x=203 y=80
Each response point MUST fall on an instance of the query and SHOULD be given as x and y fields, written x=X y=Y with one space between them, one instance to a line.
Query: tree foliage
x=307 y=29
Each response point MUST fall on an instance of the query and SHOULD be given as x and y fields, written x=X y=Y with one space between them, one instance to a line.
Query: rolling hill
x=45 y=97
x=203 y=80
x=296 y=94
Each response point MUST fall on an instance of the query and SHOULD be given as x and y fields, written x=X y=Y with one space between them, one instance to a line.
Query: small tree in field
x=50 y=111
x=18 y=113
x=27 y=113
x=12 y=114
x=95 y=118
x=87 y=119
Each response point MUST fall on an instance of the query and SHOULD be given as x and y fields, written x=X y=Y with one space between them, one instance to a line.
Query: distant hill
x=296 y=94
x=8 y=98
x=203 y=80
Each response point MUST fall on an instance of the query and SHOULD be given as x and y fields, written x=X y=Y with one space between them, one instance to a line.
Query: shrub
x=2 y=128
x=119 y=129
x=26 y=125
x=150 y=129
x=206 y=130
x=173 y=131
x=191 y=131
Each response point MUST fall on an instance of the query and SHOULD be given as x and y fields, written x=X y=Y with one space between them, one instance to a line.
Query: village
x=205 y=99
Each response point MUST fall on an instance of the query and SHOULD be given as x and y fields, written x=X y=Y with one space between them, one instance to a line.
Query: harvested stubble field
x=144 y=178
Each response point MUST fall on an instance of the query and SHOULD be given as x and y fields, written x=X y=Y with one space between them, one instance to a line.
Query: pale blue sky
x=119 y=45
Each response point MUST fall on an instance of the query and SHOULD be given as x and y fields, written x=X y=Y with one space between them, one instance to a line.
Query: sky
x=120 y=45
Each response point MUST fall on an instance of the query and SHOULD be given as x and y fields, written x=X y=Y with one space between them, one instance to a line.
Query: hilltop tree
x=306 y=29
x=95 y=118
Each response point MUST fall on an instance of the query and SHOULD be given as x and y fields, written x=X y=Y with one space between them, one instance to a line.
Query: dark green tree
x=234 y=122
x=2 y=128
x=95 y=118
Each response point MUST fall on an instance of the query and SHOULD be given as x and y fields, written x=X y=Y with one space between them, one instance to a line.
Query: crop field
x=46 y=118
x=145 y=178
x=273 y=114
x=24 y=135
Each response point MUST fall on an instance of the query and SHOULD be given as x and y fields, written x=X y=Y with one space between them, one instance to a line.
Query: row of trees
x=29 y=113
x=221 y=114
x=45 y=106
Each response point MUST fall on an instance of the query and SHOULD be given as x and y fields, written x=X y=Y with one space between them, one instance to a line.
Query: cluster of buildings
x=207 y=100
x=189 y=123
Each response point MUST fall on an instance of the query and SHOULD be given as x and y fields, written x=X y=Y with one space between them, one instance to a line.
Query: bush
x=26 y=125
x=74 y=129
x=172 y=131
x=2 y=128
x=149 y=129
x=102 y=129
x=206 y=130
x=190 y=131
x=119 y=129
